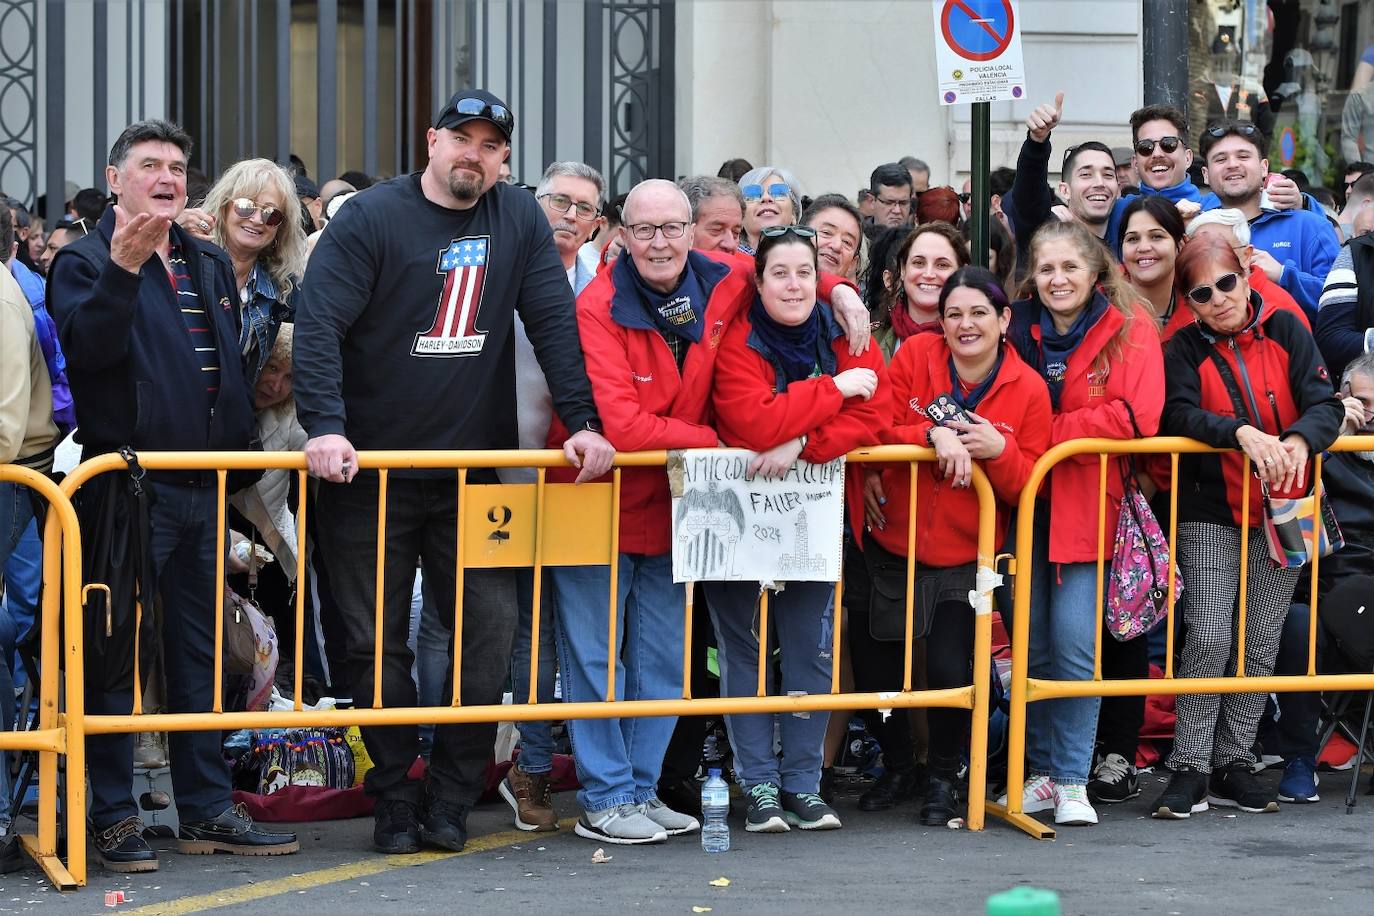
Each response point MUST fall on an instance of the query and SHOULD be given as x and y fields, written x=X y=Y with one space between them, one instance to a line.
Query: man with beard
x=1294 y=248
x=405 y=340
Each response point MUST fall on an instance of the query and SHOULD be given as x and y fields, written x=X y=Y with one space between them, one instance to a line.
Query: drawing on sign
x=729 y=527
x=978 y=29
x=709 y=524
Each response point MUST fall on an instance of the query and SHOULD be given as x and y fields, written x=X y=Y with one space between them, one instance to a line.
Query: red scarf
x=905 y=326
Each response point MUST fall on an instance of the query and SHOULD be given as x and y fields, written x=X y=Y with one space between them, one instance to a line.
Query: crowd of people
x=454 y=309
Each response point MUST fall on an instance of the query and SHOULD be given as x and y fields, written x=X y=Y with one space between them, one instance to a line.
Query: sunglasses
x=480 y=108
x=1203 y=294
x=561 y=203
x=965 y=197
x=1249 y=131
x=775 y=232
x=247 y=209
x=1168 y=144
x=754 y=192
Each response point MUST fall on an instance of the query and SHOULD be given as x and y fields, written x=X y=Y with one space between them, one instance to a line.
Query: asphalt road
x=1310 y=859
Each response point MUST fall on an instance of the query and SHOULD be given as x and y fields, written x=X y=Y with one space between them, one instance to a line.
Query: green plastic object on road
x=1024 y=901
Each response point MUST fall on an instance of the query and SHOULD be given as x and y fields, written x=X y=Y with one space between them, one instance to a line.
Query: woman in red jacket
x=1006 y=427
x=1249 y=377
x=1098 y=350
x=786 y=387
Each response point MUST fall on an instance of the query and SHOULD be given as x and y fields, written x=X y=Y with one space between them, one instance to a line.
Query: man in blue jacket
x=147 y=319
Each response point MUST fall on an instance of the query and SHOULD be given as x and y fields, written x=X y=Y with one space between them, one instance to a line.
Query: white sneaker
x=1071 y=806
x=673 y=822
x=623 y=824
x=1038 y=795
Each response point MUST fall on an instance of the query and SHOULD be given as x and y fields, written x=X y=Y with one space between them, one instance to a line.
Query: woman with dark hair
x=927 y=257
x=787 y=387
x=1004 y=423
x=1248 y=377
x=1085 y=332
x=1150 y=239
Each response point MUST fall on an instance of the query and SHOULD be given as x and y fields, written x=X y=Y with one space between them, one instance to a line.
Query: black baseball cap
x=467 y=104
x=306 y=188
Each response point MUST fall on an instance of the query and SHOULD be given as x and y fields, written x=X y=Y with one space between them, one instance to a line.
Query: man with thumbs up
x=147 y=316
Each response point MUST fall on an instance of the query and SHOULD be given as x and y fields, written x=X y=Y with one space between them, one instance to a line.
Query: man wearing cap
x=309 y=195
x=405 y=340
x=1125 y=170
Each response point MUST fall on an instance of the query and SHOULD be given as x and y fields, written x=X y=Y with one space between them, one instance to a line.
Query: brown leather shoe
x=531 y=798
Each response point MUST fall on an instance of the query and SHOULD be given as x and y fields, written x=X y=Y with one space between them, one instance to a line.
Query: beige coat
x=27 y=430
x=265 y=503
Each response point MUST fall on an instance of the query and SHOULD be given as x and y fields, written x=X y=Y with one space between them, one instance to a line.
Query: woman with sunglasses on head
x=787 y=387
x=1004 y=423
x=772 y=197
x=256 y=221
x=926 y=258
x=1246 y=377
x=1084 y=331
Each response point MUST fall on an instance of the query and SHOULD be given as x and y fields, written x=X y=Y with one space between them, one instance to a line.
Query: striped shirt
x=197 y=323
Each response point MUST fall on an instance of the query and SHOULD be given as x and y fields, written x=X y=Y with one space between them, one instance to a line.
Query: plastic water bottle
x=715 y=807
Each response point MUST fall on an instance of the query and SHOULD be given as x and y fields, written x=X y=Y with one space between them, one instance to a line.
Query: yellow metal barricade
x=51 y=739
x=1026 y=690
x=521 y=525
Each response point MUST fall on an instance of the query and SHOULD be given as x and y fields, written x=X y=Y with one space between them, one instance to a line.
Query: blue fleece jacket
x=1304 y=244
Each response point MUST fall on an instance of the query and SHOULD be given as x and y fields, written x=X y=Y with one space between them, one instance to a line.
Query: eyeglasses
x=754 y=192
x=1168 y=144
x=561 y=203
x=646 y=231
x=247 y=209
x=802 y=232
x=1203 y=294
x=902 y=202
x=479 y=108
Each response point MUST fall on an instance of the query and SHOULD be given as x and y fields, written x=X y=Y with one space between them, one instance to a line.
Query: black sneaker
x=235 y=833
x=681 y=795
x=1185 y=795
x=1113 y=781
x=765 y=815
x=445 y=824
x=809 y=811
x=397 y=828
x=121 y=848
x=942 y=802
x=11 y=856
x=1236 y=787
x=891 y=789
x=827 y=789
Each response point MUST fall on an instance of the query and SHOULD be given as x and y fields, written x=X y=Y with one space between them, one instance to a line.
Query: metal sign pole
x=980 y=203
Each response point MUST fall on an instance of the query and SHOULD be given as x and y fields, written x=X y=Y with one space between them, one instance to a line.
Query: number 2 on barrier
x=499 y=516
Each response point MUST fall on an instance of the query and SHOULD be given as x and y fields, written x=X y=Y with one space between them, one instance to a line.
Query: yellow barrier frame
x=77 y=725
x=1026 y=690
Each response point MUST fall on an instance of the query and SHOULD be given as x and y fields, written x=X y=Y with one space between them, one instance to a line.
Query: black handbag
x=887 y=593
x=113 y=510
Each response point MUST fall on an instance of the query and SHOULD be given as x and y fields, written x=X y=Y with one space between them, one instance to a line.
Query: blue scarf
x=681 y=312
x=1056 y=348
x=795 y=348
x=1184 y=190
x=970 y=402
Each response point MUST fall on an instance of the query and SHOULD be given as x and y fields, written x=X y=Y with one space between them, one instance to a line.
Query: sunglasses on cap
x=247 y=209
x=1168 y=144
x=755 y=191
x=774 y=232
x=477 y=108
x=1203 y=294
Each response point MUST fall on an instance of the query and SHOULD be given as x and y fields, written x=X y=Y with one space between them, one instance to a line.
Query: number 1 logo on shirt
x=454 y=332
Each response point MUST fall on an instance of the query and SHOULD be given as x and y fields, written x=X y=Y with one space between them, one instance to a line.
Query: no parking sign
x=978 y=51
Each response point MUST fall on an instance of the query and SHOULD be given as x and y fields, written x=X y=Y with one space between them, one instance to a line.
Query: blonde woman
x=257 y=221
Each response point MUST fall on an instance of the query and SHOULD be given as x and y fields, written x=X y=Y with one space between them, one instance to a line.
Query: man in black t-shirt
x=405 y=340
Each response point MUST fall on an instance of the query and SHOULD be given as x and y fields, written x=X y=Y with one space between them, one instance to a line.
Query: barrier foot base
x=1023 y=822
x=52 y=866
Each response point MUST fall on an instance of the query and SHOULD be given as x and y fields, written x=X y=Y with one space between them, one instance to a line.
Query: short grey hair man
x=703 y=187
x=573 y=170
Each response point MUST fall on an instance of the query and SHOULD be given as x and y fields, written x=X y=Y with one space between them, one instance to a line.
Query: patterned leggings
x=1216 y=730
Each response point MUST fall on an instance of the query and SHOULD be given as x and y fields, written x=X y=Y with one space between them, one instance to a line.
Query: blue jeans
x=1295 y=732
x=801 y=617
x=16 y=518
x=1065 y=619
x=536 y=738
x=183 y=554
x=618 y=760
x=23 y=576
x=431 y=639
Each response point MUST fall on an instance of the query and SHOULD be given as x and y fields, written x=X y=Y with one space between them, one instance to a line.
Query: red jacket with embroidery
x=1285 y=389
x=1017 y=403
x=1092 y=404
x=1275 y=296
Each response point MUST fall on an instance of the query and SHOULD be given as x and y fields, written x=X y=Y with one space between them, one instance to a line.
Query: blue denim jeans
x=536 y=738
x=618 y=760
x=1065 y=618
x=1296 y=729
x=23 y=575
x=801 y=618
x=431 y=640
x=16 y=515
